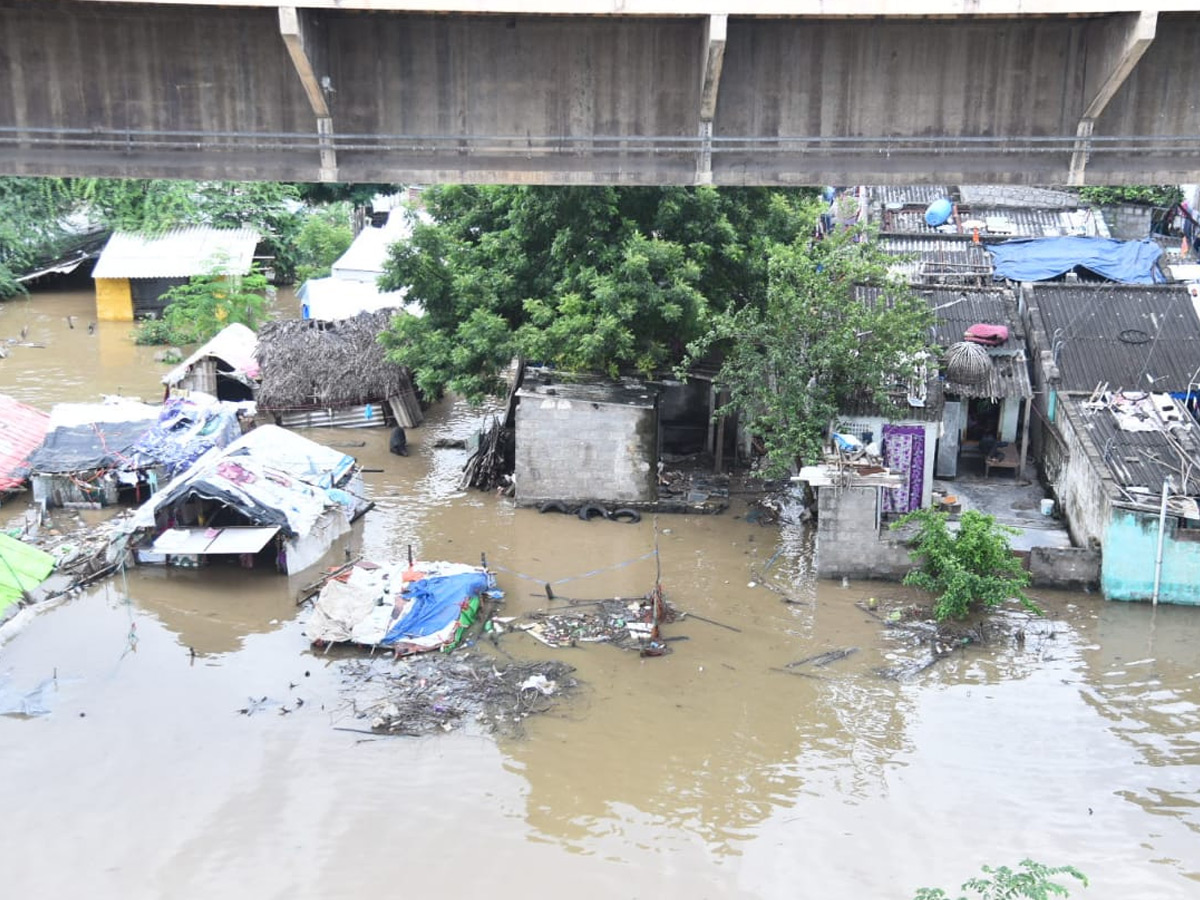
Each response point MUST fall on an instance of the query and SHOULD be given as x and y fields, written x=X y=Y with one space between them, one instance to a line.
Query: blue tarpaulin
x=1040 y=259
x=437 y=601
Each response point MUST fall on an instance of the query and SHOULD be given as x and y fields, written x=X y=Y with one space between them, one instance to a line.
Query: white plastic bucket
x=1047 y=507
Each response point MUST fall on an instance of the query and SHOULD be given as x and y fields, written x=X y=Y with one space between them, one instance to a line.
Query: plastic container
x=1047 y=507
x=938 y=212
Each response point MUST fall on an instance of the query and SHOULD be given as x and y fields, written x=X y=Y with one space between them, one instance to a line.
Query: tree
x=324 y=236
x=973 y=566
x=792 y=362
x=32 y=214
x=1034 y=881
x=1164 y=196
x=196 y=311
x=587 y=279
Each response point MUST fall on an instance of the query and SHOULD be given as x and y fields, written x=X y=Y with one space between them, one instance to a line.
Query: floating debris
x=631 y=624
x=432 y=693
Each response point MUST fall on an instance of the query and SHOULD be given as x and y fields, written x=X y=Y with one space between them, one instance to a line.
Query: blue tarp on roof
x=438 y=601
x=1040 y=259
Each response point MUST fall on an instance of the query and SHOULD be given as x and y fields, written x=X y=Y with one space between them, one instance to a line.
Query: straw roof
x=311 y=364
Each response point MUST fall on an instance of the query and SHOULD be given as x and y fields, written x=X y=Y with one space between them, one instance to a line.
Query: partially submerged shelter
x=134 y=271
x=22 y=430
x=1125 y=471
x=594 y=440
x=271 y=497
x=318 y=373
x=224 y=367
x=85 y=445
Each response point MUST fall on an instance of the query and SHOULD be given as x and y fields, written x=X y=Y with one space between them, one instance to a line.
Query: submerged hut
x=225 y=367
x=317 y=373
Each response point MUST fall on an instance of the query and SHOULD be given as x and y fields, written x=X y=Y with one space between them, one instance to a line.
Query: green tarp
x=22 y=568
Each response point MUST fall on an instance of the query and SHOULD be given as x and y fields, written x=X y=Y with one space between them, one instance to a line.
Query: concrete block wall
x=579 y=450
x=1067 y=568
x=1128 y=221
x=848 y=541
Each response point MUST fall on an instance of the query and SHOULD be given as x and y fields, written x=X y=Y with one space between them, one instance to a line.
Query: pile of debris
x=436 y=693
x=627 y=623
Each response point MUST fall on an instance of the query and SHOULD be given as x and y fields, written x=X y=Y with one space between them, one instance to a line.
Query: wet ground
x=712 y=772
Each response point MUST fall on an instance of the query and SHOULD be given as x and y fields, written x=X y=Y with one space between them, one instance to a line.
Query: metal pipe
x=1162 y=530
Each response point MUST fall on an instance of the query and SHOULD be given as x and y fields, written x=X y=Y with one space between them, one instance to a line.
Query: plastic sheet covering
x=22 y=568
x=1040 y=259
x=364 y=610
x=184 y=432
x=86 y=436
x=270 y=475
x=435 y=603
x=22 y=430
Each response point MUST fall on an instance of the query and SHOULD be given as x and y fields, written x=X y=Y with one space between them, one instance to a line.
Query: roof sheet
x=180 y=253
x=1016 y=195
x=1141 y=459
x=233 y=345
x=365 y=257
x=22 y=568
x=900 y=195
x=1127 y=336
x=938 y=258
x=22 y=430
x=999 y=222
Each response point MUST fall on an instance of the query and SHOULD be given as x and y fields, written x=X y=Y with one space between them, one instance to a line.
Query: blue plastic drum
x=938 y=212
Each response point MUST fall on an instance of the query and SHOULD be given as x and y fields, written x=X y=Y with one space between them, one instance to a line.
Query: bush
x=974 y=566
x=152 y=331
x=1033 y=881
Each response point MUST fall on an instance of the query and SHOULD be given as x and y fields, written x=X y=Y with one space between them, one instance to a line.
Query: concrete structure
x=602 y=91
x=1122 y=469
x=581 y=442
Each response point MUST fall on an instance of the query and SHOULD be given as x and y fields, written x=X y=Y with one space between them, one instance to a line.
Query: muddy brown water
x=705 y=773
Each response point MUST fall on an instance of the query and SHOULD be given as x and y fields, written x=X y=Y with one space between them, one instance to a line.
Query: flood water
x=705 y=773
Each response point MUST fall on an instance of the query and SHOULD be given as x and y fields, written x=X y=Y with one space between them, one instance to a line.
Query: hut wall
x=306 y=550
x=61 y=490
x=201 y=377
x=577 y=450
x=114 y=300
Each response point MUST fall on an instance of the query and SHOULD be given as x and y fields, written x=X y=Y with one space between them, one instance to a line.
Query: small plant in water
x=974 y=565
x=1032 y=881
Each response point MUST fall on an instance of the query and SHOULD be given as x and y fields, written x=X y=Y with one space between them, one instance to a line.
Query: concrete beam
x=772 y=8
x=710 y=84
x=1126 y=44
x=297 y=29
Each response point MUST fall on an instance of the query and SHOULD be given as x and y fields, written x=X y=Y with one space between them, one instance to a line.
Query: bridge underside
x=262 y=93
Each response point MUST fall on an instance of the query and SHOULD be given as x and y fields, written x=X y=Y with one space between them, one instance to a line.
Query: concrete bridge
x=780 y=92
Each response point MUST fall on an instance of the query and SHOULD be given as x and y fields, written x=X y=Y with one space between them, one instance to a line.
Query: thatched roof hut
x=307 y=364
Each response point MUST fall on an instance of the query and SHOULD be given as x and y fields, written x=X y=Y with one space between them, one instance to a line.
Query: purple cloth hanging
x=904 y=452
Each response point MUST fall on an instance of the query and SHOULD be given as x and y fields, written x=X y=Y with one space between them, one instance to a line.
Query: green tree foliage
x=207 y=303
x=154 y=206
x=796 y=359
x=587 y=279
x=971 y=568
x=1031 y=881
x=324 y=236
x=324 y=193
x=32 y=211
x=1161 y=195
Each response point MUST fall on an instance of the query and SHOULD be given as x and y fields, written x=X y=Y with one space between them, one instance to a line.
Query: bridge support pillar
x=298 y=30
x=1115 y=46
x=714 y=60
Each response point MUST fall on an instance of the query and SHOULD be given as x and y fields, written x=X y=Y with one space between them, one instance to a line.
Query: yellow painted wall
x=114 y=300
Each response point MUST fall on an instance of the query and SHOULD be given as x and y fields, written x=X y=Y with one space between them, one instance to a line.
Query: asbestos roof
x=901 y=195
x=1137 y=337
x=180 y=253
x=956 y=310
x=938 y=257
x=1138 y=461
x=365 y=258
x=999 y=222
x=22 y=430
x=234 y=345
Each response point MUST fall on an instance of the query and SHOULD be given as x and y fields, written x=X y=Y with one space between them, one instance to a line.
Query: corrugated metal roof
x=999 y=222
x=1127 y=336
x=938 y=258
x=180 y=253
x=907 y=194
x=22 y=430
x=1141 y=459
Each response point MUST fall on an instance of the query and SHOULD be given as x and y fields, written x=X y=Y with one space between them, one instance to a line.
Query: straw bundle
x=967 y=363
